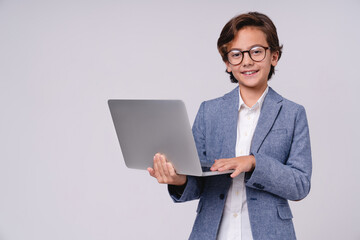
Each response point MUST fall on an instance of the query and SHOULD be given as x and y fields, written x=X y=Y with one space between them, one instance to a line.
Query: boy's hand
x=239 y=164
x=164 y=171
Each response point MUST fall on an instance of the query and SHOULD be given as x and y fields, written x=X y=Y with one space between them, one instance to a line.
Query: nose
x=247 y=59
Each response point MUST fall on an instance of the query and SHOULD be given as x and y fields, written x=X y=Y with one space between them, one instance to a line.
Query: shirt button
x=235 y=215
x=248 y=117
x=245 y=134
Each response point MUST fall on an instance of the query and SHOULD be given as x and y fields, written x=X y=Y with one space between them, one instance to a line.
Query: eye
x=235 y=54
x=257 y=51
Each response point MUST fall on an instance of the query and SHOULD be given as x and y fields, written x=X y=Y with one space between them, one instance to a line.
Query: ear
x=274 y=58
x=228 y=67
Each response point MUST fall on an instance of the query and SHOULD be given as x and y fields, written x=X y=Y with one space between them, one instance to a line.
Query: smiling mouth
x=250 y=73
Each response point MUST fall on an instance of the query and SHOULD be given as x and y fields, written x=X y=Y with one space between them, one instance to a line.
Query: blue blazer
x=281 y=147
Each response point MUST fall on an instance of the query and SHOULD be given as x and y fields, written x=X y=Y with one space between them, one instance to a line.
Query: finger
x=155 y=159
x=225 y=167
x=159 y=173
x=229 y=165
x=171 y=169
x=216 y=165
x=159 y=166
x=220 y=162
x=235 y=173
x=156 y=167
x=164 y=165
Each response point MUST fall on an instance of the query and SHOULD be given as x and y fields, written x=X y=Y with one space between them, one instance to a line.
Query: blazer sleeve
x=292 y=179
x=194 y=185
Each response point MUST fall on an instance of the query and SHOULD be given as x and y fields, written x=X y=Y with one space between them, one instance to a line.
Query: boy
x=262 y=136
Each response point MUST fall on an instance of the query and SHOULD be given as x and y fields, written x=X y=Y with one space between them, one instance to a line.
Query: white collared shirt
x=235 y=223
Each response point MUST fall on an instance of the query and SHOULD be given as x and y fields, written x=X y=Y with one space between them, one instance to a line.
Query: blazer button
x=259 y=186
x=222 y=196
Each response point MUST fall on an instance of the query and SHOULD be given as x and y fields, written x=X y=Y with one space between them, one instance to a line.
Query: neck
x=251 y=95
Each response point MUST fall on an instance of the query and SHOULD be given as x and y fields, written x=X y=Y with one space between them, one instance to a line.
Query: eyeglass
x=257 y=54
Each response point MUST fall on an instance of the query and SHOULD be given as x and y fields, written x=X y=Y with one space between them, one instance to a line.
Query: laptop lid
x=145 y=127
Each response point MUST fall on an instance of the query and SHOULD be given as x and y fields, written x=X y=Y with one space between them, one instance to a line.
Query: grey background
x=62 y=175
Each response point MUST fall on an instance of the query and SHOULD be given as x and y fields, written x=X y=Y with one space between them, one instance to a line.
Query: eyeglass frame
x=247 y=51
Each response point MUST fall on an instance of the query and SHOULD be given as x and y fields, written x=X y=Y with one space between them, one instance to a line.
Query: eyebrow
x=254 y=45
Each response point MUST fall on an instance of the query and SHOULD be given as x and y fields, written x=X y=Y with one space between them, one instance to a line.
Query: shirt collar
x=258 y=103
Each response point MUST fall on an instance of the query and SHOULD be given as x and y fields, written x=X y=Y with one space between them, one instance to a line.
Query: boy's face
x=250 y=74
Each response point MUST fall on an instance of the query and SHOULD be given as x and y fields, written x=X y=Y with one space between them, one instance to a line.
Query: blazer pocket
x=279 y=131
x=284 y=212
x=199 y=207
x=277 y=144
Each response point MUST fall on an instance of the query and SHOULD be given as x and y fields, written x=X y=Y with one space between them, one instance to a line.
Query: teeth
x=248 y=73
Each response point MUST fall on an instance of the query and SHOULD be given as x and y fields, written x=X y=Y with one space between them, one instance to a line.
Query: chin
x=250 y=84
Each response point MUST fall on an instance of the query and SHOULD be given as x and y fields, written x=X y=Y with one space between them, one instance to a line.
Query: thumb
x=235 y=173
x=151 y=171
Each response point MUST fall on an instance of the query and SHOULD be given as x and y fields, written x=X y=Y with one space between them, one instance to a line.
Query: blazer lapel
x=269 y=111
x=230 y=114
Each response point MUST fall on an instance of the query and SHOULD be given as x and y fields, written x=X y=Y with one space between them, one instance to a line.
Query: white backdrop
x=62 y=175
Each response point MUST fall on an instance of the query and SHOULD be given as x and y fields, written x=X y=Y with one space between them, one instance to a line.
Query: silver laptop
x=145 y=127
